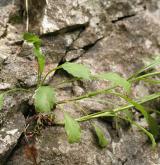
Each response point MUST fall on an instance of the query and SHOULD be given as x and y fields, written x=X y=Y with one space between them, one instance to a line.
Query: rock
x=10 y=132
x=12 y=123
x=53 y=148
x=74 y=54
x=5 y=2
x=119 y=36
x=61 y=14
x=124 y=50
x=5 y=86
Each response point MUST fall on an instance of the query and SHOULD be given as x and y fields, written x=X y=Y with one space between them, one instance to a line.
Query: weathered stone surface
x=113 y=35
x=131 y=148
x=10 y=132
x=127 y=49
x=60 y=14
x=12 y=123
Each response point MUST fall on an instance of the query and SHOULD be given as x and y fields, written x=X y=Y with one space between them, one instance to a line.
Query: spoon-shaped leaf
x=32 y=38
x=102 y=141
x=72 y=129
x=141 y=128
x=115 y=79
x=151 y=65
x=153 y=125
x=44 y=99
x=36 y=41
x=77 y=70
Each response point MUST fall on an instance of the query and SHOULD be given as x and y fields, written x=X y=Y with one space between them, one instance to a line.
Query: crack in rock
x=123 y=18
x=75 y=54
x=66 y=29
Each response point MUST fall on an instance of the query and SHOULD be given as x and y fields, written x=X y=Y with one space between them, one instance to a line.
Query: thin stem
x=119 y=109
x=91 y=94
x=144 y=76
x=88 y=117
x=151 y=81
x=112 y=113
x=16 y=89
x=80 y=107
x=156 y=62
x=88 y=95
x=91 y=122
x=67 y=81
x=141 y=128
x=52 y=70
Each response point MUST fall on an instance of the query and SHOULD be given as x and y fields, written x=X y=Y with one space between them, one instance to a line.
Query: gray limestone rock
x=114 y=35
x=10 y=132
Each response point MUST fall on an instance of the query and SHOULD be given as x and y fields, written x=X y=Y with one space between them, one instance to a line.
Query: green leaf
x=149 y=97
x=151 y=81
x=72 y=129
x=32 y=38
x=142 y=129
x=154 y=127
x=144 y=77
x=36 y=41
x=1 y=101
x=119 y=109
x=77 y=70
x=103 y=142
x=44 y=99
x=150 y=120
x=41 y=59
x=115 y=79
x=147 y=133
x=152 y=65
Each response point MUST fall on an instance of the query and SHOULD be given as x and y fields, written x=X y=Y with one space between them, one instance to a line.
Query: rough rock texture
x=126 y=150
x=112 y=35
x=10 y=132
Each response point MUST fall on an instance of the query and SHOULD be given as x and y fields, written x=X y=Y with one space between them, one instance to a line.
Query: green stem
x=107 y=112
x=89 y=117
x=151 y=81
x=144 y=76
x=112 y=113
x=52 y=70
x=91 y=94
x=141 y=128
x=16 y=89
x=88 y=95
x=67 y=81
x=156 y=62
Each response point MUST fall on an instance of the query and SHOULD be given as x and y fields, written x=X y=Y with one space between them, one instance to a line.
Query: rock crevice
x=115 y=35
